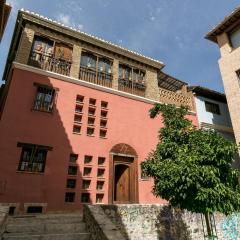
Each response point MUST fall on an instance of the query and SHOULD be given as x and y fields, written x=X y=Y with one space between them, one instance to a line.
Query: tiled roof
x=223 y=25
x=89 y=35
x=209 y=93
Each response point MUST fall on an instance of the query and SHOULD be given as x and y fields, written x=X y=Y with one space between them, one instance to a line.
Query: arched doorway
x=123 y=186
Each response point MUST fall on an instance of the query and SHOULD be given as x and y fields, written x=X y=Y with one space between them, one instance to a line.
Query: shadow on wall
x=150 y=222
x=54 y=186
x=171 y=226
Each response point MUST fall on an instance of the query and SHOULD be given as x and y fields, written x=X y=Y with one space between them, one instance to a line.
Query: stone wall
x=160 y=222
x=99 y=225
x=3 y=218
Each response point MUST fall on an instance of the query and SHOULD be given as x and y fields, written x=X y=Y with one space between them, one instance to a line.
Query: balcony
x=95 y=77
x=50 y=63
x=129 y=86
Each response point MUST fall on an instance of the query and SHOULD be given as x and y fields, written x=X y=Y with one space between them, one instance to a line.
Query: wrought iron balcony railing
x=129 y=86
x=50 y=63
x=92 y=76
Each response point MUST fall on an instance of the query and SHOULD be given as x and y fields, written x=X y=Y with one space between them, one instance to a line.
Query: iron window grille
x=33 y=158
x=44 y=99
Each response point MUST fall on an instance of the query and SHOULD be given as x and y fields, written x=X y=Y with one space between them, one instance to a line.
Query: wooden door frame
x=133 y=184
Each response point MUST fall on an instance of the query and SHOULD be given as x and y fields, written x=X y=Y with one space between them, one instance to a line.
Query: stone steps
x=70 y=236
x=46 y=227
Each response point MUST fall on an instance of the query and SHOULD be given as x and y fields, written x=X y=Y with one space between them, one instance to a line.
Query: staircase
x=46 y=227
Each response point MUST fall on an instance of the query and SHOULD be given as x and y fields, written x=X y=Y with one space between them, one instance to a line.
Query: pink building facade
x=75 y=131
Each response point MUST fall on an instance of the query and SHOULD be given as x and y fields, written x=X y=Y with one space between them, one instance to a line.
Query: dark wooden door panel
x=122 y=183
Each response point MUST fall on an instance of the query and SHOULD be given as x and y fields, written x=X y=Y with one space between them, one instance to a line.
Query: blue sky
x=171 y=31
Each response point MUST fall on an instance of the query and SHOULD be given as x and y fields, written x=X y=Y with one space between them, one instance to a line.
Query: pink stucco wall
x=128 y=122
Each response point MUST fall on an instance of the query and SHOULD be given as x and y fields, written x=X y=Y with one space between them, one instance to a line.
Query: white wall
x=211 y=118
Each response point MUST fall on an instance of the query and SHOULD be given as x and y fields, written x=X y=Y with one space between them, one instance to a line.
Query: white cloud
x=68 y=21
x=152 y=18
x=64 y=18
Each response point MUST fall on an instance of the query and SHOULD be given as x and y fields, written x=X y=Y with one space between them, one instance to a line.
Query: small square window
x=104 y=114
x=79 y=99
x=90 y=131
x=91 y=111
x=78 y=118
x=92 y=101
x=104 y=104
x=73 y=158
x=99 y=198
x=100 y=172
x=144 y=176
x=91 y=121
x=87 y=171
x=78 y=109
x=72 y=170
x=103 y=133
x=101 y=160
x=87 y=159
x=69 y=196
x=85 y=198
x=100 y=185
x=71 y=183
x=103 y=123
x=86 y=184
x=76 y=129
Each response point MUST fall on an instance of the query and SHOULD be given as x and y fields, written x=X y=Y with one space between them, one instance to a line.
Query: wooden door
x=122 y=183
x=63 y=51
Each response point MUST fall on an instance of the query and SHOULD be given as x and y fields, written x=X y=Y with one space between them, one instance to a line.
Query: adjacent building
x=75 y=120
x=227 y=35
x=212 y=111
x=5 y=10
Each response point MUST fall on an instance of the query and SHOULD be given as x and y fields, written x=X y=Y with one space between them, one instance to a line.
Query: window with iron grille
x=33 y=158
x=44 y=99
x=212 y=107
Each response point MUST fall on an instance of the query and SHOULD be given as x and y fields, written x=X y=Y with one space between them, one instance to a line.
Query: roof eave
x=6 y=9
x=46 y=22
x=223 y=25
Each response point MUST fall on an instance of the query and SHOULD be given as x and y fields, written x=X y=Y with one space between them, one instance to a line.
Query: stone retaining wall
x=99 y=225
x=159 y=222
x=3 y=218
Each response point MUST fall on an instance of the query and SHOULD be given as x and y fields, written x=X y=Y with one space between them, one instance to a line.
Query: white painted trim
x=84 y=83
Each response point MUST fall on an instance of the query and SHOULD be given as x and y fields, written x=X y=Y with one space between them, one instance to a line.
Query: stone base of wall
x=159 y=222
x=3 y=218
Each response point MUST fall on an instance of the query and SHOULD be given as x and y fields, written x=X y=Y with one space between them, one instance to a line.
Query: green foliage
x=192 y=168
